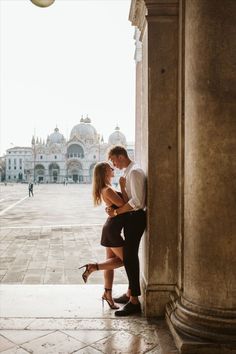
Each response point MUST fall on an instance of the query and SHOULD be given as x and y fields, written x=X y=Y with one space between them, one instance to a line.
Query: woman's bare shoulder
x=107 y=191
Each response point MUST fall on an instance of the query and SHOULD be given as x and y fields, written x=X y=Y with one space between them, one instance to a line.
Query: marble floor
x=51 y=319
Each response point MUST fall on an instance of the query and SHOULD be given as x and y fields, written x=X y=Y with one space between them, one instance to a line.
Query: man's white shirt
x=135 y=186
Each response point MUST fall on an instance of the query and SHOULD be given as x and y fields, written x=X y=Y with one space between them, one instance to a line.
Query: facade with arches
x=58 y=160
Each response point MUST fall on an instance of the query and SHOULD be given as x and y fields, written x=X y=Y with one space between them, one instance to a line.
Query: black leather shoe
x=129 y=309
x=123 y=299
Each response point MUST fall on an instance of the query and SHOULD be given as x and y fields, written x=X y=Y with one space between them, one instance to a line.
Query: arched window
x=75 y=150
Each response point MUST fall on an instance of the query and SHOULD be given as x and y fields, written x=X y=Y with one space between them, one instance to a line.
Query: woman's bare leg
x=108 y=273
x=118 y=251
x=115 y=261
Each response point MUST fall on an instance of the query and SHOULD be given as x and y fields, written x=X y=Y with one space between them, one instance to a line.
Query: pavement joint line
x=48 y=226
x=12 y=206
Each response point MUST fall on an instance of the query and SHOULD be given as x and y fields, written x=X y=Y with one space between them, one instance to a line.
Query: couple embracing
x=125 y=211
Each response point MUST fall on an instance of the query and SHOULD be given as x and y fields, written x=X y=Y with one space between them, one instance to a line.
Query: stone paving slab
x=69 y=319
x=61 y=341
x=51 y=255
x=136 y=336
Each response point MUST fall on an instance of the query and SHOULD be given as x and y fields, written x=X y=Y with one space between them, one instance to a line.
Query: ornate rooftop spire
x=87 y=119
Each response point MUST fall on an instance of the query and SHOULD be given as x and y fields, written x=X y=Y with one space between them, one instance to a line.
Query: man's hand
x=122 y=182
x=110 y=211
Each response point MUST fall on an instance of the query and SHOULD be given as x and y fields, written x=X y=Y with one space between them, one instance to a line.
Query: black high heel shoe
x=87 y=271
x=109 y=301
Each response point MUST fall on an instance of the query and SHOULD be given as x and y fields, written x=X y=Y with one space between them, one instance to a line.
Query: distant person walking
x=31 y=187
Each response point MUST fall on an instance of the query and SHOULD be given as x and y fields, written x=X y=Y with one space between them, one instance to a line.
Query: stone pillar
x=206 y=308
x=158 y=23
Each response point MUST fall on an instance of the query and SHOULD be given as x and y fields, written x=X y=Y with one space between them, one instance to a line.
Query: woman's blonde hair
x=99 y=181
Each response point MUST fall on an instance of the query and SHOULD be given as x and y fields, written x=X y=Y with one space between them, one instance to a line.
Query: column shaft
x=160 y=111
x=207 y=306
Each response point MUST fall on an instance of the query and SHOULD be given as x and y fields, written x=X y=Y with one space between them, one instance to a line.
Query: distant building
x=58 y=160
x=2 y=168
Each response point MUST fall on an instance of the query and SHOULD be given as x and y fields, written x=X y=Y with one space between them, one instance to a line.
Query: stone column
x=158 y=23
x=206 y=309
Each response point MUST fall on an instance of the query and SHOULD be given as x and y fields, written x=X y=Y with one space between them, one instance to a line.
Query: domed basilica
x=58 y=160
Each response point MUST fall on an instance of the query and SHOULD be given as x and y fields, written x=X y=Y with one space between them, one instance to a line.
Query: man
x=31 y=186
x=134 y=226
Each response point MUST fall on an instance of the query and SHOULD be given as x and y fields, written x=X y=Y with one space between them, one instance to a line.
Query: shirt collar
x=128 y=168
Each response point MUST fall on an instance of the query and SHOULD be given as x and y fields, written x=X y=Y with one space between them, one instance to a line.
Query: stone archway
x=54 y=173
x=20 y=176
x=75 y=151
x=39 y=173
x=75 y=171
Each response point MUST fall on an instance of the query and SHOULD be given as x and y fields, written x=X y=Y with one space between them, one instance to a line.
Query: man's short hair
x=116 y=151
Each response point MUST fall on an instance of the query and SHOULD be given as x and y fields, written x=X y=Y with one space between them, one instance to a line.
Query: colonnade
x=186 y=143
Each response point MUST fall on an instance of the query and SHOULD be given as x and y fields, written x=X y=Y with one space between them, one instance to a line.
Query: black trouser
x=135 y=224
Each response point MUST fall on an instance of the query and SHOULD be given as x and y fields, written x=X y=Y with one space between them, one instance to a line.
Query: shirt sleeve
x=137 y=187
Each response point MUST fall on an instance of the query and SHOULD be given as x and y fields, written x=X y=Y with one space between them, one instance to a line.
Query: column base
x=191 y=345
x=196 y=333
x=155 y=298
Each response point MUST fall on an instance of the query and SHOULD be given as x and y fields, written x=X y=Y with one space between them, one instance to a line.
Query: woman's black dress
x=111 y=232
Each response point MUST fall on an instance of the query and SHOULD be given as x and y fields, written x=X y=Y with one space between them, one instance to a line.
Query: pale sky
x=75 y=57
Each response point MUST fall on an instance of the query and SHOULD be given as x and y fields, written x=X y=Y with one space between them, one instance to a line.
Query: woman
x=111 y=233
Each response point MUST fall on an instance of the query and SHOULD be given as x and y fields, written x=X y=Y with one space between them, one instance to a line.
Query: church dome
x=84 y=131
x=56 y=137
x=117 y=138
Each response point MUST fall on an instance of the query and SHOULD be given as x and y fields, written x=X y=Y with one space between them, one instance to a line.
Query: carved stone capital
x=143 y=11
x=137 y=14
x=162 y=7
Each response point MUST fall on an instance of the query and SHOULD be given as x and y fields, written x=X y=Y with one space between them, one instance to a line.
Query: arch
x=75 y=171
x=39 y=173
x=75 y=150
x=54 y=172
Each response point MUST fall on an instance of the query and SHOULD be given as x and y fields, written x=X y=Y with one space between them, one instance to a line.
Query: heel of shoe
x=88 y=270
x=85 y=274
x=83 y=266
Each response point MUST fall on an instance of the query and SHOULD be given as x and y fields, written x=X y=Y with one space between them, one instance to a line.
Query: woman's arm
x=111 y=197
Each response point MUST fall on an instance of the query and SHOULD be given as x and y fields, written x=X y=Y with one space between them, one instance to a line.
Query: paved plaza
x=44 y=239
x=52 y=205
x=44 y=306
